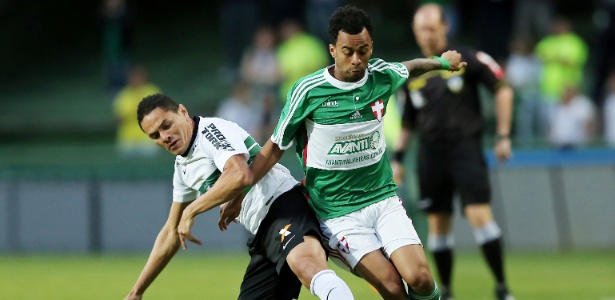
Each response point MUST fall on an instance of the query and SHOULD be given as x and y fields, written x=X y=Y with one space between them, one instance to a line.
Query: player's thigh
x=376 y=269
x=393 y=227
x=307 y=258
x=349 y=238
x=411 y=263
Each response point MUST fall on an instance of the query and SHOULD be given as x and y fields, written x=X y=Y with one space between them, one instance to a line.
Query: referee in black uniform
x=445 y=107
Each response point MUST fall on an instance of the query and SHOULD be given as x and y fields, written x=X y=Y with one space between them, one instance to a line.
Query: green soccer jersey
x=339 y=134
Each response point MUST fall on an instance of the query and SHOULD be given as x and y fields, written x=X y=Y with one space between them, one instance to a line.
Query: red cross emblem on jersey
x=378 y=109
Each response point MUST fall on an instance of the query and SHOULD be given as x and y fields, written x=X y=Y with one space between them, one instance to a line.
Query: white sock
x=326 y=285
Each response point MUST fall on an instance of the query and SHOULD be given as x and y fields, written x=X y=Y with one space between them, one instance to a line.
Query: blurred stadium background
x=65 y=190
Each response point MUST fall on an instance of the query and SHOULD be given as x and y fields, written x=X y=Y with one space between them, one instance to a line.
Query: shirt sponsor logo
x=357 y=145
x=216 y=138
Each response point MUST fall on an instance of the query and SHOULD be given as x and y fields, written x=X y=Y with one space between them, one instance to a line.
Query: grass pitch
x=532 y=276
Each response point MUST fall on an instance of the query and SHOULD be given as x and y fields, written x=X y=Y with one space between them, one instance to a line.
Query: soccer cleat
x=502 y=293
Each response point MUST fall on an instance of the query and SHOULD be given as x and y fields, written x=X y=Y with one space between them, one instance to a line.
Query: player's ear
x=182 y=110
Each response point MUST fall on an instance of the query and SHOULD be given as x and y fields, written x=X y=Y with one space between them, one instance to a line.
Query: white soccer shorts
x=382 y=225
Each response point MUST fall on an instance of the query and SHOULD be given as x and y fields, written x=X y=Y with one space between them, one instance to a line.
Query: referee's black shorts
x=446 y=168
x=268 y=276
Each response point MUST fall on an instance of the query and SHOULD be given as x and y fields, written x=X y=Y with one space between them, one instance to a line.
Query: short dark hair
x=151 y=102
x=349 y=19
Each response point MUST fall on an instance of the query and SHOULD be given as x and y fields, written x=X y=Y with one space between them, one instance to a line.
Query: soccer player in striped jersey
x=335 y=119
x=211 y=168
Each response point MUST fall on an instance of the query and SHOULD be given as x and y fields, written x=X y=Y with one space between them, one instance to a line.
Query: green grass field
x=533 y=276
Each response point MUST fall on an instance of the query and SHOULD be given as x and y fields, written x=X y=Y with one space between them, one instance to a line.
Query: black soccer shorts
x=268 y=276
x=446 y=168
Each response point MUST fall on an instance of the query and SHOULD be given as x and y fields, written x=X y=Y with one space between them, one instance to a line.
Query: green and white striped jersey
x=214 y=141
x=338 y=128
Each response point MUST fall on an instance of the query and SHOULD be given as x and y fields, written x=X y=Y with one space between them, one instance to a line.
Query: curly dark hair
x=349 y=19
x=151 y=102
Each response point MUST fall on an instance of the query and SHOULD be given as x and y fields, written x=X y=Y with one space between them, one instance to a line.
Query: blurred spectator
x=563 y=54
x=130 y=138
x=532 y=18
x=259 y=65
x=609 y=112
x=260 y=70
x=317 y=15
x=239 y=108
x=573 y=120
x=117 y=44
x=299 y=54
x=523 y=73
x=238 y=18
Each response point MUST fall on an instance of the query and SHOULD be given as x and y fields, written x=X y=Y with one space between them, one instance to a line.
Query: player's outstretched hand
x=183 y=229
x=455 y=59
x=229 y=212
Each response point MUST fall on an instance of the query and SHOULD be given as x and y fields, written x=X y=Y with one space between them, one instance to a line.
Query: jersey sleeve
x=397 y=72
x=222 y=139
x=294 y=113
x=487 y=69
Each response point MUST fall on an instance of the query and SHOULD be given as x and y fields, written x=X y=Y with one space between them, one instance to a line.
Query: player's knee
x=421 y=280
x=391 y=287
x=306 y=259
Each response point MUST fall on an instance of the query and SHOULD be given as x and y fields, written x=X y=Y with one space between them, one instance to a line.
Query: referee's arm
x=503 y=112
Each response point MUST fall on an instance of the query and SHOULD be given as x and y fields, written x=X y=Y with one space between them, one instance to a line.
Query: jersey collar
x=195 y=130
x=342 y=85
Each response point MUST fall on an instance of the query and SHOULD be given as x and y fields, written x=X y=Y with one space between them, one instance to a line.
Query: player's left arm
x=235 y=177
x=450 y=60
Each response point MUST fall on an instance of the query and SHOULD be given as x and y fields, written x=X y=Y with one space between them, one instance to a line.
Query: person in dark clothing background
x=445 y=107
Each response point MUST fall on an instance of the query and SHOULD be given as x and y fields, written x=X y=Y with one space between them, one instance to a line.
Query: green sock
x=434 y=295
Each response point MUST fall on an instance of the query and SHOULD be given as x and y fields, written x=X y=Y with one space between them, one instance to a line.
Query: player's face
x=351 y=54
x=430 y=31
x=170 y=130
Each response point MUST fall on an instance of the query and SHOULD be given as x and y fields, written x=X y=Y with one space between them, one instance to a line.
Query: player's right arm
x=166 y=245
x=266 y=158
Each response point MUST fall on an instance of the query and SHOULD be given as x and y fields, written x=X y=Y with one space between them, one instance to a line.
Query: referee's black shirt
x=444 y=106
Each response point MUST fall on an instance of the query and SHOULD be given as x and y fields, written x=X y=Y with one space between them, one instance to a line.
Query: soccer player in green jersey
x=335 y=117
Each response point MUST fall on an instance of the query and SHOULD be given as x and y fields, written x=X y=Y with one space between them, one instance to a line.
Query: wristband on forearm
x=399 y=155
x=446 y=65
